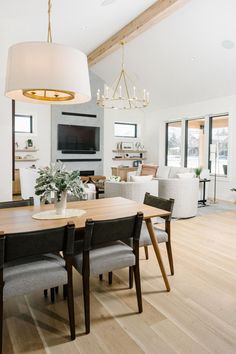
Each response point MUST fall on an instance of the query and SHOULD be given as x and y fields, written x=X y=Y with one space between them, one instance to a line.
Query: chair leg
x=52 y=291
x=45 y=292
x=146 y=251
x=170 y=257
x=131 y=278
x=86 y=302
x=1 y=320
x=138 y=287
x=100 y=276
x=70 y=303
x=64 y=291
x=110 y=278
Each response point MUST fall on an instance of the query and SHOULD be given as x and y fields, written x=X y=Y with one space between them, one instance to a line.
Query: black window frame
x=127 y=136
x=166 y=138
x=210 y=141
x=31 y=123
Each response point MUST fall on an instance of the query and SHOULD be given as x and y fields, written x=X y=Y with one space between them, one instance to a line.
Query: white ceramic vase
x=60 y=206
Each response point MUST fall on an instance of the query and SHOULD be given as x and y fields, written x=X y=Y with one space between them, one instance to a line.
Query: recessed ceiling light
x=83 y=28
x=227 y=44
x=107 y=2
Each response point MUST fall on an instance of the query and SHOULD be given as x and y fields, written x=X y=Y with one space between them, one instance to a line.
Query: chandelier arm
x=49 y=39
x=118 y=81
x=126 y=88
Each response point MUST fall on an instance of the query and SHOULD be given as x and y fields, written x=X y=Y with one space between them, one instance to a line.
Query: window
x=126 y=130
x=173 y=143
x=23 y=124
x=219 y=136
x=194 y=144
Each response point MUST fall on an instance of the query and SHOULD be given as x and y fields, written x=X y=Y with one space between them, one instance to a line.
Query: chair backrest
x=17 y=203
x=147 y=170
x=101 y=232
x=25 y=244
x=161 y=203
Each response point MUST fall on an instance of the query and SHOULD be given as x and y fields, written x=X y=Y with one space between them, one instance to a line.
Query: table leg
x=157 y=252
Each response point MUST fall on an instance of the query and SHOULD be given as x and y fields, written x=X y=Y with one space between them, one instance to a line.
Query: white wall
x=110 y=117
x=41 y=135
x=204 y=108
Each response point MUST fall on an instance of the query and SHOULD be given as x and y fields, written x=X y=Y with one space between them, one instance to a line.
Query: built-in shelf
x=130 y=151
x=26 y=150
x=25 y=160
x=128 y=158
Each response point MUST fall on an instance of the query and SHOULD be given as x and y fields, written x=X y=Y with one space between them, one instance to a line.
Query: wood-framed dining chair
x=17 y=203
x=105 y=249
x=28 y=262
x=162 y=235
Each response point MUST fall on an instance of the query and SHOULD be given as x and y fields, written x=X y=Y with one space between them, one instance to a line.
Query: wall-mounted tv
x=78 y=139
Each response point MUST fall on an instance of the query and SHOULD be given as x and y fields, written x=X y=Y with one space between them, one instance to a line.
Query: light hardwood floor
x=197 y=316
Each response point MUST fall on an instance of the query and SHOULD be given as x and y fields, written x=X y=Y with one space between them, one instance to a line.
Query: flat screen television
x=78 y=139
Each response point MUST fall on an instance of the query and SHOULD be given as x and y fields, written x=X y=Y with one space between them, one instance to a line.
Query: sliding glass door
x=194 y=143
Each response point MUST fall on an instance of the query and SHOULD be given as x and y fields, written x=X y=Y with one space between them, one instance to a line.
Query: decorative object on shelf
x=57 y=179
x=29 y=143
x=198 y=171
x=123 y=94
x=139 y=146
x=34 y=73
x=136 y=163
x=127 y=146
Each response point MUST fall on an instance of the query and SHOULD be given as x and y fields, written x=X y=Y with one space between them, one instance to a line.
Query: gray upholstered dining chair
x=104 y=248
x=28 y=262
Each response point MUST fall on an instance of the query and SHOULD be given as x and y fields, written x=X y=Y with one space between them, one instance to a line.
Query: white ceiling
x=180 y=60
x=80 y=23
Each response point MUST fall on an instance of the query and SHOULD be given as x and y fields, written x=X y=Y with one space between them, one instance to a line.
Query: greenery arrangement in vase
x=198 y=171
x=55 y=178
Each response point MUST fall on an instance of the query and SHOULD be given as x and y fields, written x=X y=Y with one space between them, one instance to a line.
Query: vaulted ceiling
x=185 y=58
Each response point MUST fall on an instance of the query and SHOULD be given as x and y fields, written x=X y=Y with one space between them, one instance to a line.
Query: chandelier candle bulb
x=134 y=93
x=98 y=95
x=148 y=97
x=144 y=95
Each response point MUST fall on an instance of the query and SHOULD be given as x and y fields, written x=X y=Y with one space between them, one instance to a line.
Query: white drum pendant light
x=46 y=72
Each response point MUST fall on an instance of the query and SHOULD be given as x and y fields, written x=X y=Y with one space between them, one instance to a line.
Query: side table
x=203 y=200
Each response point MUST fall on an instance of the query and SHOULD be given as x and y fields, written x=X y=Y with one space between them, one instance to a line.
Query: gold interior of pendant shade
x=49 y=95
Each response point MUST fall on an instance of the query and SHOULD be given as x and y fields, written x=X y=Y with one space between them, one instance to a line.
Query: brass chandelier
x=123 y=94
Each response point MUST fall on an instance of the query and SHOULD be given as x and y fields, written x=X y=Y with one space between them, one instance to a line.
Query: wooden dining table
x=19 y=219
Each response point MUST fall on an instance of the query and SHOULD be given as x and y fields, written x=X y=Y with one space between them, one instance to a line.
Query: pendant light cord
x=49 y=39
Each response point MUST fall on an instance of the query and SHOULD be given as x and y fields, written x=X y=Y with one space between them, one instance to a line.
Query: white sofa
x=185 y=191
x=131 y=190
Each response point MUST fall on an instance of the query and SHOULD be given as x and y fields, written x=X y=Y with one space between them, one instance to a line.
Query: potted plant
x=29 y=143
x=198 y=171
x=57 y=179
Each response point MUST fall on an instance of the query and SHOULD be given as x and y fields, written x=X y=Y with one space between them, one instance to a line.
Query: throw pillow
x=163 y=171
x=141 y=178
x=185 y=175
x=114 y=179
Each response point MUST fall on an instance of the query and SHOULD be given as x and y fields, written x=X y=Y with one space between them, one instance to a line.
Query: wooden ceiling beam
x=154 y=14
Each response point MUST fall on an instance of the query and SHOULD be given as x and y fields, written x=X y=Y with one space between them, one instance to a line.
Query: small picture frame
x=127 y=146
